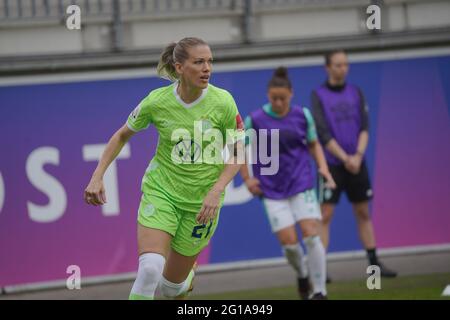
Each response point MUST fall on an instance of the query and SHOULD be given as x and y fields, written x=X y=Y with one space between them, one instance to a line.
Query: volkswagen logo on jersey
x=188 y=151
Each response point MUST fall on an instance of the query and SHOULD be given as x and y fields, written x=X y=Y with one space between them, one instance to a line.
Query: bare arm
x=353 y=163
x=232 y=167
x=323 y=130
x=363 y=141
x=335 y=149
x=95 y=192
x=315 y=149
x=252 y=183
x=245 y=174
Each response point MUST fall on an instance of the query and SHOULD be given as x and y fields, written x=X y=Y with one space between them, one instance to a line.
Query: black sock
x=372 y=256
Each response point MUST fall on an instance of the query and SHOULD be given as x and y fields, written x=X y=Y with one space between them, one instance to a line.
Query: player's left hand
x=353 y=164
x=210 y=207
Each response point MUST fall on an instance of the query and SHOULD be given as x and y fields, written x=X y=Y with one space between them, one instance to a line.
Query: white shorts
x=286 y=212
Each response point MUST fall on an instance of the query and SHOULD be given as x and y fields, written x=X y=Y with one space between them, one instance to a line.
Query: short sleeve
x=311 y=132
x=140 y=118
x=248 y=123
x=233 y=124
x=364 y=112
x=320 y=119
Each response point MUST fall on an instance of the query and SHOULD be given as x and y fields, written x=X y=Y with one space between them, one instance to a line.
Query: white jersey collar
x=193 y=103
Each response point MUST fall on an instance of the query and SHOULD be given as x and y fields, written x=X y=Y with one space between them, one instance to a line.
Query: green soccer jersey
x=188 y=159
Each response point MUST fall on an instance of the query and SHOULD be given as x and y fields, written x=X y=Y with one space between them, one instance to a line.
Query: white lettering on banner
x=73 y=21
x=46 y=184
x=2 y=192
x=93 y=152
x=57 y=195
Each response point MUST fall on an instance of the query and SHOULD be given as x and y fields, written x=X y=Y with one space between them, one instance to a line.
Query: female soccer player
x=289 y=195
x=183 y=186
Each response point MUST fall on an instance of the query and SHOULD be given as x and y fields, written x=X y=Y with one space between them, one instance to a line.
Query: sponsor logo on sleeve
x=136 y=111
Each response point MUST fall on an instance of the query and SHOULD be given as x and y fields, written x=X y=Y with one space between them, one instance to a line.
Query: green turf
x=409 y=287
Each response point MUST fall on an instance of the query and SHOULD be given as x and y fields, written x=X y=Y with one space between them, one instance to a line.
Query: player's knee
x=362 y=215
x=151 y=270
x=288 y=239
x=310 y=229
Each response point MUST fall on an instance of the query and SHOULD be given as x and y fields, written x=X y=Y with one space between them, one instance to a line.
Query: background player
x=341 y=116
x=182 y=194
x=289 y=196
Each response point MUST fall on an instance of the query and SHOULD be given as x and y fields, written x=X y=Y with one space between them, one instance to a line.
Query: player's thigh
x=306 y=209
x=309 y=227
x=279 y=213
x=157 y=223
x=153 y=240
x=178 y=266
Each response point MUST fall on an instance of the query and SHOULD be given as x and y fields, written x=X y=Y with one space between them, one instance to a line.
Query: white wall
x=146 y=34
x=308 y=23
x=39 y=39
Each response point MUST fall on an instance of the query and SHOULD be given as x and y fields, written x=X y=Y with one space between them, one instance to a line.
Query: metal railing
x=13 y=10
x=42 y=9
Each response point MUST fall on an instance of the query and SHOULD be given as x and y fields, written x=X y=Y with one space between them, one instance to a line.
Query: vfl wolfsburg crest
x=149 y=210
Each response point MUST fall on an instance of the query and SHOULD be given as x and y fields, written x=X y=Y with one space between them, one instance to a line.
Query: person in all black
x=341 y=116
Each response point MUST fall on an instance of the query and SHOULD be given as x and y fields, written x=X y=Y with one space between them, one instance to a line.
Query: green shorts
x=189 y=237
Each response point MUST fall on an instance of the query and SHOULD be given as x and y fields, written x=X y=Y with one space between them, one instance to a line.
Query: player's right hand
x=94 y=193
x=253 y=186
x=329 y=181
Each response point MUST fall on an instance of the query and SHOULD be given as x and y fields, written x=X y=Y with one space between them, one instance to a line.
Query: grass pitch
x=418 y=287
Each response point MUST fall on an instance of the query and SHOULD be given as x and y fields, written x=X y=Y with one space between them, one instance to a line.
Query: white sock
x=296 y=257
x=316 y=264
x=151 y=266
x=172 y=290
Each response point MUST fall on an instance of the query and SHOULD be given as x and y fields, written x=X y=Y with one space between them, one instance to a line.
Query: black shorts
x=357 y=186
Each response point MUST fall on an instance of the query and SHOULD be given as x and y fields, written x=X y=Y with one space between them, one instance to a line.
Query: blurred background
x=63 y=93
